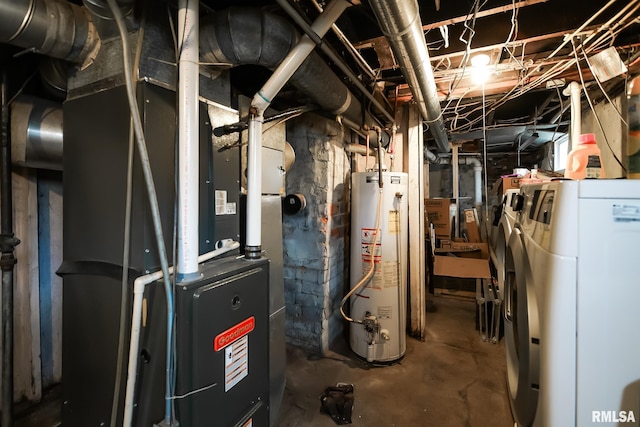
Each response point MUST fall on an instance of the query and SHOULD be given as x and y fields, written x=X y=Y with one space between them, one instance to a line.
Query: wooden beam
x=413 y=161
x=26 y=298
x=482 y=13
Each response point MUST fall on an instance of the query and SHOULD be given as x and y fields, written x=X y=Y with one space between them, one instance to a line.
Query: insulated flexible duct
x=249 y=36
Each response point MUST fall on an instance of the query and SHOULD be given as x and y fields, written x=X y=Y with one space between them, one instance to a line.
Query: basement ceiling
x=533 y=48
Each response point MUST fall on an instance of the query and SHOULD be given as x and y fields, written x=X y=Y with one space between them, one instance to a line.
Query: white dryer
x=502 y=234
x=572 y=304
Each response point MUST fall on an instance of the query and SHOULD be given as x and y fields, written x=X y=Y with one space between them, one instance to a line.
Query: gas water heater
x=379 y=233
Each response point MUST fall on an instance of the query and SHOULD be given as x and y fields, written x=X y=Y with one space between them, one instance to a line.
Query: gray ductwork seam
x=56 y=28
x=243 y=36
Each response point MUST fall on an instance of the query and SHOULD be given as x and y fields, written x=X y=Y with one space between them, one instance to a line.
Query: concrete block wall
x=316 y=239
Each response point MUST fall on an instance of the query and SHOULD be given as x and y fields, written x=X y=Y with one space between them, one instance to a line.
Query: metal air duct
x=55 y=28
x=103 y=17
x=400 y=22
x=36 y=133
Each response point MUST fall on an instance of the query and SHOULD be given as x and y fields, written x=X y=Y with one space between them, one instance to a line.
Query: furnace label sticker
x=223 y=207
x=236 y=365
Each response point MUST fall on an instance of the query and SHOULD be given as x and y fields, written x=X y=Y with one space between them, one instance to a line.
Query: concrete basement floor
x=452 y=379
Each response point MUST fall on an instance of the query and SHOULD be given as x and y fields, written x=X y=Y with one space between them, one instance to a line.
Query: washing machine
x=572 y=304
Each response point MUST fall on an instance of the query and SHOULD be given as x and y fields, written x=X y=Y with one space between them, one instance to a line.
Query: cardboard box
x=441 y=213
x=462 y=260
x=503 y=184
x=473 y=225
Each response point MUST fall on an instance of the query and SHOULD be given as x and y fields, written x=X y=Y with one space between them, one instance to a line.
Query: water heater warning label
x=236 y=365
x=368 y=234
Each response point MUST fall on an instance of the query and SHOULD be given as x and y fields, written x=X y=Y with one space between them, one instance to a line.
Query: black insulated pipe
x=8 y=242
x=251 y=36
x=57 y=28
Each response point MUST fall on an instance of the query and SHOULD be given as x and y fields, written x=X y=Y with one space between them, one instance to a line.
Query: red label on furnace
x=233 y=333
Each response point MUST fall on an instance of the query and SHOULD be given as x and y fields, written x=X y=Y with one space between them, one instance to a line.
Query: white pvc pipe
x=259 y=104
x=139 y=284
x=477 y=174
x=477 y=177
x=297 y=55
x=188 y=140
x=576 y=114
x=254 y=185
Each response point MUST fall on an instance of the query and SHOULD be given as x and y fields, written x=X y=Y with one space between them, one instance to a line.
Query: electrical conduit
x=259 y=104
x=153 y=202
